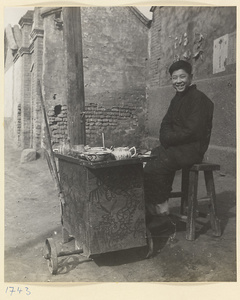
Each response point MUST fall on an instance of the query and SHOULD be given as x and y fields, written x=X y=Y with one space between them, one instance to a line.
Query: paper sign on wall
x=220 y=54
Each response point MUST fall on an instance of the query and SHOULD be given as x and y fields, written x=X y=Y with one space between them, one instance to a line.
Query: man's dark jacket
x=186 y=128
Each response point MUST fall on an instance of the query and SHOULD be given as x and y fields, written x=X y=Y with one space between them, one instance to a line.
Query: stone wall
x=189 y=33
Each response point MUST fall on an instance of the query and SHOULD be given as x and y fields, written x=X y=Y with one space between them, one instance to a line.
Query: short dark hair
x=181 y=64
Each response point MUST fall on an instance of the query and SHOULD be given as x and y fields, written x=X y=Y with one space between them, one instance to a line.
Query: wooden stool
x=188 y=194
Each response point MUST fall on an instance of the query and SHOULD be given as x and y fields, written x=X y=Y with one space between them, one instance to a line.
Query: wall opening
x=57 y=110
x=57 y=117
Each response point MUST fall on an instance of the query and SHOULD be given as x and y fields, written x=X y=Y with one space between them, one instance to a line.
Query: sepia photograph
x=119 y=144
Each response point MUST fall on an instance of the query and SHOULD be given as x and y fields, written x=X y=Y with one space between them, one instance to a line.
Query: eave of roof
x=27 y=18
x=154 y=7
x=140 y=16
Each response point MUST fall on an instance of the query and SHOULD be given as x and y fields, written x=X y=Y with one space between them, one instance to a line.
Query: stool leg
x=192 y=205
x=184 y=187
x=215 y=223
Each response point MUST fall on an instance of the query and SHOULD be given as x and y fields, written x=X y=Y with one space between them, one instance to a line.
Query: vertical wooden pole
x=72 y=34
x=184 y=188
x=215 y=222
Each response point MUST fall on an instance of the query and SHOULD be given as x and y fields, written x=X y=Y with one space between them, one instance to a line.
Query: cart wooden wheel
x=51 y=255
x=149 y=243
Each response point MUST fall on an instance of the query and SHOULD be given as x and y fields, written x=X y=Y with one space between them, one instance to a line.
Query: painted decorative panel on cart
x=74 y=184
x=104 y=208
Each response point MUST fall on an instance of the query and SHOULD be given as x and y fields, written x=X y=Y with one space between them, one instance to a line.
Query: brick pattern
x=156 y=51
x=26 y=101
x=58 y=123
x=184 y=32
x=19 y=124
x=99 y=119
x=26 y=29
x=37 y=73
x=175 y=34
x=25 y=85
x=17 y=74
x=114 y=76
x=114 y=53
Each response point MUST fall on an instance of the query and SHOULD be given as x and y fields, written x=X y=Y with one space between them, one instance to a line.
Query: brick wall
x=115 y=52
x=115 y=60
x=19 y=124
x=99 y=119
x=17 y=75
x=156 y=49
x=116 y=122
x=57 y=117
x=25 y=56
x=32 y=105
x=8 y=92
x=115 y=45
x=36 y=69
x=25 y=101
x=176 y=30
x=54 y=74
x=175 y=33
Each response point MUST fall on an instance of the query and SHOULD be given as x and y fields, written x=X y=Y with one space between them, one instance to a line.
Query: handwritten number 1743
x=11 y=290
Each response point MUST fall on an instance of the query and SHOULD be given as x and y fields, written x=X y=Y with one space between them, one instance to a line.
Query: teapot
x=121 y=153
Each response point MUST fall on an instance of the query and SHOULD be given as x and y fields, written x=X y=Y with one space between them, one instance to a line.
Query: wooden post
x=184 y=188
x=192 y=205
x=72 y=34
x=215 y=222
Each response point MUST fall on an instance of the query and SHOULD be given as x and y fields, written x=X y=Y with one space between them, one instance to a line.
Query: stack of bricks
x=19 y=124
x=99 y=118
x=57 y=117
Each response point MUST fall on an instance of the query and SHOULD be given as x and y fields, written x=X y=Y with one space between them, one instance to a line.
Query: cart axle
x=66 y=253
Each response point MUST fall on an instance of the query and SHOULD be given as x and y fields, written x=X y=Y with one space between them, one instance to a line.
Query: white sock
x=162 y=208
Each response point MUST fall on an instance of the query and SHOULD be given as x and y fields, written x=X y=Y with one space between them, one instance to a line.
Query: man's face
x=181 y=80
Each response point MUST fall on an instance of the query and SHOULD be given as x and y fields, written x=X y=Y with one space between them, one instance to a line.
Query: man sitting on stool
x=184 y=138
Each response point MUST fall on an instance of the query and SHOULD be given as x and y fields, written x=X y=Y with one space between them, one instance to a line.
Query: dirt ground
x=32 y=214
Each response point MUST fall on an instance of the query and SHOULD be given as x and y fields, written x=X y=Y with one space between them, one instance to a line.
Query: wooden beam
x=72 y=34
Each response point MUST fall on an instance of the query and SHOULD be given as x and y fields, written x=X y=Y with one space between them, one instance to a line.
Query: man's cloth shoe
x=161 y=209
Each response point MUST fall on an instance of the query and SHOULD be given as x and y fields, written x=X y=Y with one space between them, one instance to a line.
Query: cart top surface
x=107 y=163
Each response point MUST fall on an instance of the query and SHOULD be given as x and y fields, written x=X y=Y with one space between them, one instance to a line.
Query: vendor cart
x=102 y=207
